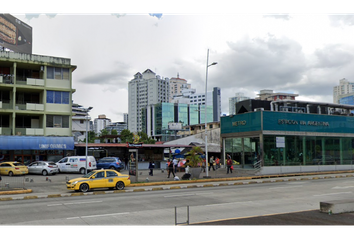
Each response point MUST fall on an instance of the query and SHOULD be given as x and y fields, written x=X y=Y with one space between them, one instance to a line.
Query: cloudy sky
x=297 y=52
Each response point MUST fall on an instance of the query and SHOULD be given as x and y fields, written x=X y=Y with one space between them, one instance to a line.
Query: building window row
x=58 y=97
x=57 y=73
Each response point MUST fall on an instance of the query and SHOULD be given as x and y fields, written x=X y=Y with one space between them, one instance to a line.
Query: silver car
x=43 y=168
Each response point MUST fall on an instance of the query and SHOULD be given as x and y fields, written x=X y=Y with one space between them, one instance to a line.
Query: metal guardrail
x=257 y=165
x=12 y=183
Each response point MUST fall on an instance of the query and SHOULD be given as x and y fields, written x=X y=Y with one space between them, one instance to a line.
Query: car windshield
x=88 y=175
x=18 y=164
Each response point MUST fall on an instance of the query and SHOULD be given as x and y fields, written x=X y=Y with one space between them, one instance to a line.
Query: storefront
x=27 y=149
x=289 y=141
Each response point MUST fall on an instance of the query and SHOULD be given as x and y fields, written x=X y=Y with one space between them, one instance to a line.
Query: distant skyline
x=297 y=52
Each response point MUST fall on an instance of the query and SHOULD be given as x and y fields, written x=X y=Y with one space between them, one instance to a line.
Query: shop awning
x=36 y=143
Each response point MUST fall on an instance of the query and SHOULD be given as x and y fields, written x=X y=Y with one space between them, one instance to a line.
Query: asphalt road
x=258 y=204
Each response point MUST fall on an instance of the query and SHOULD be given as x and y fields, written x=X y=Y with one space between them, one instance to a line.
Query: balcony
x=5 y=131
x=5 y=104
x=6 y=79
x=29 y=131
x=30 y=106
x=35 y=81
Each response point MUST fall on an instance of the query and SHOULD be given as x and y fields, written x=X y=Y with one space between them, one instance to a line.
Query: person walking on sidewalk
x=229 y=164
x=211 y=163
x=126 y=163
x=151 y=167
x=175 y=164
x=170 y=168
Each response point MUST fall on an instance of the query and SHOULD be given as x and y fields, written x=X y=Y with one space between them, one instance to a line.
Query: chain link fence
x=12 y=183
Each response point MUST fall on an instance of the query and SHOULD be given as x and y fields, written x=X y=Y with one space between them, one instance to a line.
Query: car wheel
x=11 y=174
x=84 y=187
x=120 y=185
x=113 y=168
x=82 y=170
x=45 y=173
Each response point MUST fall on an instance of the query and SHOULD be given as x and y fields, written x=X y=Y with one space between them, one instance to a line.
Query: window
x=57 y=73
x=111 y=174
x=58 y=97
x=57 y=121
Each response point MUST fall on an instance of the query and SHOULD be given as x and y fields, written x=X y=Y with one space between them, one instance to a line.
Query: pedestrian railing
x=257 y=165
x=12 y=183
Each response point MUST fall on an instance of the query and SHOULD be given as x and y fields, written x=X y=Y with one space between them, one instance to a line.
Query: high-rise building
x=145 y=89
x=176 y=86
x=344 y=87
x=164 y=119
x=100 y=123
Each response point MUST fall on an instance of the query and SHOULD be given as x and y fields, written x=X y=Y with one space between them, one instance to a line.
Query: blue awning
x=36 y=143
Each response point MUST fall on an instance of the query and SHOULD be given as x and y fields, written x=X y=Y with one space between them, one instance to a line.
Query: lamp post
x=205 y=114
x=87 y=117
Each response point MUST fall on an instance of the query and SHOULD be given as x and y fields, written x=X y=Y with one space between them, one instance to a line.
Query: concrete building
x=100 y=123
x=176 y=86
x=145 y=89
x=35 y=107
x=79 y=117
x=345 y=87
x=269 y=95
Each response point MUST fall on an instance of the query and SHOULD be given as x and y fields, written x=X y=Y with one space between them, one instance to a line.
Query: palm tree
x=194 y=156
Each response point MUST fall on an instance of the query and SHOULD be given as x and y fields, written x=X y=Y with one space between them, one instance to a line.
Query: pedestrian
x=151 y=167
x=217 y=162
x=175 y=164
x=211 y=163
x=170 y=168
x=229 y=164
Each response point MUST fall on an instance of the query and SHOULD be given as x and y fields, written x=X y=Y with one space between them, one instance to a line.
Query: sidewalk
x=41 y=188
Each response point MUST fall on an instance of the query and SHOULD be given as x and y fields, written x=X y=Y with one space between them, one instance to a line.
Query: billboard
x=175 y=126
x=15 y=34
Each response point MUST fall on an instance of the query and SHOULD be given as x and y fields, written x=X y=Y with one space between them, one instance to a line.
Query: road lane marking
x=72 y=203
x=285 y=187
x=343 y=187
x=333 y=194
x=100 y=215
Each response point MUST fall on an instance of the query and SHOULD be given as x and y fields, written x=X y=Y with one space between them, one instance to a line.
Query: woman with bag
x=229 y=164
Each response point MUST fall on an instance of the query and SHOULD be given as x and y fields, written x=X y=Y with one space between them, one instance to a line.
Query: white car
x=44 y=168
x=77 y=164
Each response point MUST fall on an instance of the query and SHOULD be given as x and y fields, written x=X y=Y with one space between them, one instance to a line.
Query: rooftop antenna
x=177 y=74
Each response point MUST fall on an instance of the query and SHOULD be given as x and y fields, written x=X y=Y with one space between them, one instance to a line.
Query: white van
x=76 y=164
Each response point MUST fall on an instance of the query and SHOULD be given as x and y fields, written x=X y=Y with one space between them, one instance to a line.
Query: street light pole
x=205 y=114
x=87 y=117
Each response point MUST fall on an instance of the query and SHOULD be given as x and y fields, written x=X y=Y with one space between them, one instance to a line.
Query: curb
x=256 y=180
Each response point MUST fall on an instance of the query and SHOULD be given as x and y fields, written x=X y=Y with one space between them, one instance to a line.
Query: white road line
x=343 y=187
x=101 y=215
x=333 y=194
x=59 y=204
x=285 y=187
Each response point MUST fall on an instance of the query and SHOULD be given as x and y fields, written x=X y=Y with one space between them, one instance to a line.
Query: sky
x=298 y=50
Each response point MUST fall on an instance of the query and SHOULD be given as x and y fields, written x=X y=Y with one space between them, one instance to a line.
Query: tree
x=114 y=132
x=126 y=136
x=194 y=156
x=145 y=139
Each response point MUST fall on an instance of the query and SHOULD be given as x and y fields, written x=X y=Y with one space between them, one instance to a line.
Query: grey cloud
x=118 y=78
x=261 y=63
x=333 y=56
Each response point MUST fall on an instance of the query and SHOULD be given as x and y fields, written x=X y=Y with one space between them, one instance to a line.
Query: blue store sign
x=36 y=143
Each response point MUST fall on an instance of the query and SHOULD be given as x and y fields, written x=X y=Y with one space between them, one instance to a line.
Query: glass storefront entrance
x=246 y=150
x=308 y=150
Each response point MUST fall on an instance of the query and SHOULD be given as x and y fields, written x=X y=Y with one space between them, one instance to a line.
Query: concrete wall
x=297 y=169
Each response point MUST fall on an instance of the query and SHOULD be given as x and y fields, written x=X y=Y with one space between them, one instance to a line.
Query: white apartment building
x=145 y=89
x=79 y=117
x=101 y=123
x=344 y=87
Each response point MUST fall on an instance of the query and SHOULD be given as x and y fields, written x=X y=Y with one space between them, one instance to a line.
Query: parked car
x=44 y=168
x=13 y=168
x=110 y=163
x=77 y=164
x=99 y=179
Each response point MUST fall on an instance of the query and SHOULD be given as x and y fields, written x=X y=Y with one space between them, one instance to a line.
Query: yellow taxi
x=105 y=178
x=13 y=168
